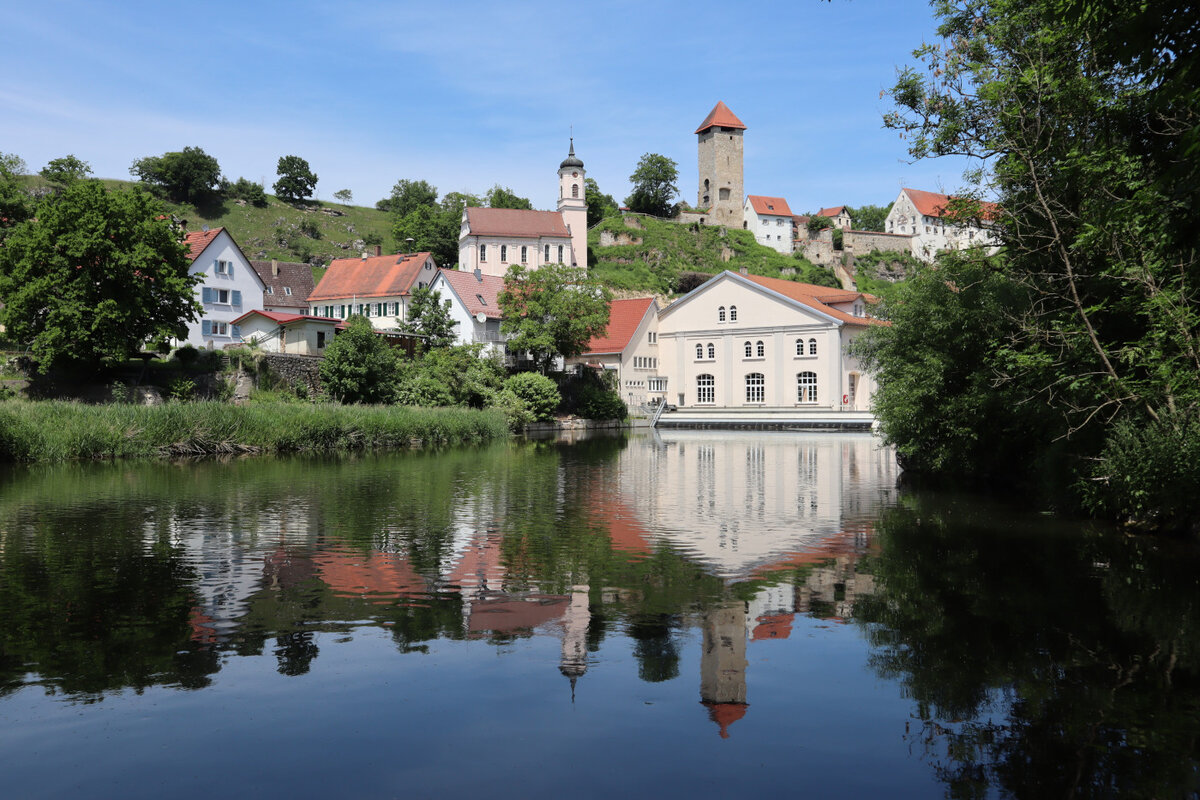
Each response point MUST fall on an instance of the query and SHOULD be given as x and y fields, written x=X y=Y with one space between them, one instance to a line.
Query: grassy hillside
x=653 y=255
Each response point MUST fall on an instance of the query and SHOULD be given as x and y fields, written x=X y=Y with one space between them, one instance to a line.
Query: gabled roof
x=722 y=117
x=832 y=212
x=283 y=318
x=198 y=241
x=375 y=276
x=624 y=317
x=819 y=298
x=516 y=222
x=769 y=206
x=294 y=275
x=934 y=204
x=480 y=294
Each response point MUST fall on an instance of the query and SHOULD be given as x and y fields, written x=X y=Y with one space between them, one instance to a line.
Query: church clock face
x=574 y=174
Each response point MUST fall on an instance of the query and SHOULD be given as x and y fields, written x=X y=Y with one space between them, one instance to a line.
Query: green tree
x=344 y=196
x=359 y=365
x=408 y=195
x=503 y=197
x=599 y=205
x=429 y=316
x=15 y=204
x=296 y=181
x=185 y=176
x=459 y=375
x=66 y=170
x=435 y=228
x=870 y=218
x=246 y=190
x=817 y=223
x=95 y=274
x=553 y=310
x=538 y=392
x=654 y=186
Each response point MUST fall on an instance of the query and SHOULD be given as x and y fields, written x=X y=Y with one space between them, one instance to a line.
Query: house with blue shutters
x=229 y=287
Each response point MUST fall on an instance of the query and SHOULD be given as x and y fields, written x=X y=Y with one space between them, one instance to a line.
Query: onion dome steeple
x=571 y=160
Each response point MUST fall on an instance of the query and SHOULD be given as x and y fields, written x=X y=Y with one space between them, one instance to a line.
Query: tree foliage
x=359 y=365
x=296 y=181
x=870 y=218
x=503 y=197
x=344 y=196
x=408 y=195
x=247 y=190
x=538 y=392
x=599 y=205
x=184 y=176
x=654 y=186
x=94 y=274
x=1087 y=132
x=435 y=227
x=429 y=316
x=15 y=203
x=817 y=223
x=553 y=310
x=66 y=170
x=460 y=375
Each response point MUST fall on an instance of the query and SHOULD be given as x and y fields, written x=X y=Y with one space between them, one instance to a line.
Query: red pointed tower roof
x=720 y=116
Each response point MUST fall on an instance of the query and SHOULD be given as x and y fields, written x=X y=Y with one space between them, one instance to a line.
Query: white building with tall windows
x=228 y=289
x=927 y=217
x=378 y=287
x=763 y=347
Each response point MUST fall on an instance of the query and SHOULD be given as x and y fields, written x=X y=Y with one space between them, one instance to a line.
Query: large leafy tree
x=429 y=316
x=553 y=310
x=435 y=227
x=66 y=170
x=654 y=186
x=185 y=176
x=870 y=218
x=94 y=274
x=359 y=366
x=599 y=205
x=296 y=181
x=1085 y=121
x=408 y=195
x=503 y=197
x=15 y=203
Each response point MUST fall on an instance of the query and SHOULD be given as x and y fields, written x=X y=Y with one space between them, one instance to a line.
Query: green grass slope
x=653 y=255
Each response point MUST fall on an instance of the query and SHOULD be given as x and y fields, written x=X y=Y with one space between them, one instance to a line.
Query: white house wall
x=243 y=279
x=468 y=252
x=933 y=234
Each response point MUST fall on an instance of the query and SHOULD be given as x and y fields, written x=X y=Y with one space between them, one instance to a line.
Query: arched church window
x=574 y=190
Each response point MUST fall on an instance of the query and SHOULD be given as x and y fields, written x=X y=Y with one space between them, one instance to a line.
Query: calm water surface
x=684 y=614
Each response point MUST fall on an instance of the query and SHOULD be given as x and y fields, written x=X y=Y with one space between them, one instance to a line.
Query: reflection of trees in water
x=1041 y=664
x=655 y=647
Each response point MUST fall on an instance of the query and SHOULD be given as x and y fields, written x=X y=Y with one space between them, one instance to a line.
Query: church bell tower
x=572 y=204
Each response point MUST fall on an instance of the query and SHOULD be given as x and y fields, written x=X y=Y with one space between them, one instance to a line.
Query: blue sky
x=470 y=94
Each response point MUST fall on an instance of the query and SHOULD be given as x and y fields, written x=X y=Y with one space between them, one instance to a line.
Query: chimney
x=364 y=258
x=744 y=271
x=378 y=249
x=275 y=267
x=479 y=274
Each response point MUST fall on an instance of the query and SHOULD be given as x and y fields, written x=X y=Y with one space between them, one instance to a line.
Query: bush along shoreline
x=50 y=431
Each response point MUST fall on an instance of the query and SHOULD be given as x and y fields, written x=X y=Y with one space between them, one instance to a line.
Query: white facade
x=920 y=214
x=468 y=309
x=633 y=357
x=770 y=230
x=304 y=336
x=493 y=254
x=230 y=287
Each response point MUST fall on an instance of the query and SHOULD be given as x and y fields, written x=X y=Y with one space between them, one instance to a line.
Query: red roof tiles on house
x=831 y=212
x=376 y=276
x=515 y=222
x=722 y=117
x=816 y=297
x=283 y=318
x=624 y=317
x=934 y=204
x=479 y=295
x=769 y=206
x=197 y=241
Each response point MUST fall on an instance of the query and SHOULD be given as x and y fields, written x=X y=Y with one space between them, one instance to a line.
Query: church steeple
x=572 y=203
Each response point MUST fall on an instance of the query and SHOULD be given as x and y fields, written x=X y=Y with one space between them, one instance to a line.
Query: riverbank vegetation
x=1070 y=361
x=63 y=430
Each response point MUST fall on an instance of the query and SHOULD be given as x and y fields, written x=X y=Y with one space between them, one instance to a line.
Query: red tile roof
x=818 y=298
x=933 y=204
x=375 y=276
x=831 y=212
x=725 y=714
x=624 y=316
x=197 y=241
x=772 y=206
x=520 y=223
x=720 y=116
x=477 y=294
x=772 y=626
x=284 y=318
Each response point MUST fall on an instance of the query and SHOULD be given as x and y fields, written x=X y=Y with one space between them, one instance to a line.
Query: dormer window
x=287 y=290
x=482 y=302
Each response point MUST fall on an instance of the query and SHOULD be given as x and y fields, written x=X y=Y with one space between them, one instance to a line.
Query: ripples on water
x=683 y=611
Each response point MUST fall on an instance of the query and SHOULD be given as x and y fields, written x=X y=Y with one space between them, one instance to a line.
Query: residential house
x=379 y=287
x=474 y=306
x=281 y=332
x=840 y=215
x=771 y=221
x=229 y=287
x=493 y=239
x=286 y=285
x=749 y=342
x=629 y=347
x=926 y=216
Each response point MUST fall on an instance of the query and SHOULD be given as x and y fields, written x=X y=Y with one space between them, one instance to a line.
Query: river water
x=679 y=614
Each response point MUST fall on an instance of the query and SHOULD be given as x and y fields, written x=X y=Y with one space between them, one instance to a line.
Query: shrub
x=515 y=410
x=182 y=390
x=596 y=402
x=120 y=392
x=539 y=393
x=186 y=355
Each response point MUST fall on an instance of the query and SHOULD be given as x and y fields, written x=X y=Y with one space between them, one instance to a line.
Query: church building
x=493 y=239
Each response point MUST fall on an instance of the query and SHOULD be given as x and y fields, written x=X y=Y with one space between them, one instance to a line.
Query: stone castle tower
x=720 y=157
x=573 y=205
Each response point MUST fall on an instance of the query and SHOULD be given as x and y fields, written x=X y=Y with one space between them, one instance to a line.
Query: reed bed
x=66 y=431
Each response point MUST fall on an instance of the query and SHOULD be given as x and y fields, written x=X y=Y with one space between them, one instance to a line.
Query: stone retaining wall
x=295 y=369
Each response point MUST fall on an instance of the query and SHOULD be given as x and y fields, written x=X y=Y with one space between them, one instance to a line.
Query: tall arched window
x=503 y=253
x=755 y=387
x=699 y=351
x=712 y=351
x=799 y=347
x=720 y=313
x=733 y=313
x=706 y=389
x=760 y=350
x=749 y=350
x=483 y=252
x=812 y=347
x=806 y=387
x=524 y=254
x=574 y=190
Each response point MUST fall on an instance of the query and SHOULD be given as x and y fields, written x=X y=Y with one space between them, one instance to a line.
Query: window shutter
x=237 y=331
x=206 y=327
x=237 y=297
x=229 y=267
x=216 y=266
x=206 y=294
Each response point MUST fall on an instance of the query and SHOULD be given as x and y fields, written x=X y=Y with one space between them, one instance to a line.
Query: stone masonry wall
x=863 y=242
x=295 y=369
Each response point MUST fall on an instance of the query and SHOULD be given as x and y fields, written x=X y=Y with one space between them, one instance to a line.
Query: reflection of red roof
x=769 y=206
x=382 y=577
x=772 y=626
x=518 y=222
x=197 y=241
x=507 y=614
x=477 y=294
x=933 y=204
x=374 y=276
x=725 y=714
x=722 y=117
x=817 y=297
x=624 y=316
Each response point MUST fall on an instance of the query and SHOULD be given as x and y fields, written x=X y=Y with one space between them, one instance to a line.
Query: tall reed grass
x=64 y=431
